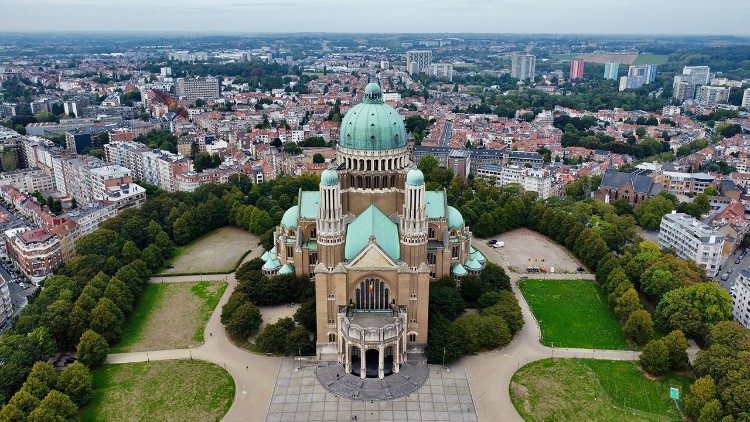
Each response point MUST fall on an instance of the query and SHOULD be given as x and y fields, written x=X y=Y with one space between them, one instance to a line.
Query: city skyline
x=668 y=17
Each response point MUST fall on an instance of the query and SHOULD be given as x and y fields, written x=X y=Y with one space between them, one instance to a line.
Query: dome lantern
x=372 y=125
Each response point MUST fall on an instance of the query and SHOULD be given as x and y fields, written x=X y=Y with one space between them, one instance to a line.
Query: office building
x=712 y=95
x=523 y=66
x=693 y=240
x=418 y=61
x=198 y=88
x=576 y=68
x=746 y=99
x=741 y=298
x=611 y=70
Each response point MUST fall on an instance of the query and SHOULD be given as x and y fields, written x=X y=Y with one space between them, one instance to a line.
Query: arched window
x=331 y=337
x=431 y=232
x=313 y=233
x=412 y=337
x=372 y=293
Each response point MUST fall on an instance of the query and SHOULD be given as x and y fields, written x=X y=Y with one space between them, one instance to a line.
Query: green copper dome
x=415 y=177
x=372 y=125
x=329 y=177
x=455 y=219
x=289 y=220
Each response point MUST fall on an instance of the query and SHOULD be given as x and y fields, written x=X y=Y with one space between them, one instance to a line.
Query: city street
x=445 y=137
x=734 y=268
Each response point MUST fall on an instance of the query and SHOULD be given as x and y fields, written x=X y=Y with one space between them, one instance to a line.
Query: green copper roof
x=289 y=219
x=459 y=270
x=455 y=219
x=329 y=177
x=475 y=254
x=372 y=125
x=309 y=203
x=272 y=264
x=435 y=204
x=473 y=264
x=373 y=222
x=267 y=256
x=287 y=269
x=415 y=177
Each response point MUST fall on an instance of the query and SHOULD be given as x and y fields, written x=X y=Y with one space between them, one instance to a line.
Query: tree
x=165 y=245
x=731 y=334
x=677 y=346
x=298 y=342
x=318 y=158
x=120 y=294
x=655 y=357
x=56 y=406
x=12 y=413
x=306 y=315
x=509 y=310
x=274 y=336
x=130 y=252
x=702 y=391
x=694 y=309
x=153 y=258
x=244 y=321
x=495 y=276
x=627 y=303
x=639 y=326
x=711 y=411
x=75 y=381
x=445 y=299
x=471 y=288
x=487 y=299
x=44 y=372
x=445 y=341
x=23 y=401
x=92 y=349
x=108 y=319
x=236 y=299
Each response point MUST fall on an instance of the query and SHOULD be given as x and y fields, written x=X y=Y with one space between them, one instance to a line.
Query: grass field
x=170 y=316
x=651 y=59
x=573 y=313
x=218 y=252
x=585 y=389
x=178 y=390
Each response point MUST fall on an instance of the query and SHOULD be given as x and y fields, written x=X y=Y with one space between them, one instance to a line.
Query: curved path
x=489 y=373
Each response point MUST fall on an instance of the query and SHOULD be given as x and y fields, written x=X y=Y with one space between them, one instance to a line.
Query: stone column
x=396 y=356
x=362 y=363
x=381 y=362
x=347 y=358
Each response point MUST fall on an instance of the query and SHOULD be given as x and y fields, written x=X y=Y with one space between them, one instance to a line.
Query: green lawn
x=651 y=59
x=563 y=56
x=586 y=389
x=170 y=316
x=573 y=313
x=178 y=390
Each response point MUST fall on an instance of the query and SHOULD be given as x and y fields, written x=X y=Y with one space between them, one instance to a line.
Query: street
x=734 y=268
x=445 y=137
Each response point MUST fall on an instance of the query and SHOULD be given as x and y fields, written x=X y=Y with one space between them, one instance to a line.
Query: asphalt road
x=734 y=268
x=447 y=134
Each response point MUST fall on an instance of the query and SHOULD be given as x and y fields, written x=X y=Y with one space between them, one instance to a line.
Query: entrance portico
x=372 y=343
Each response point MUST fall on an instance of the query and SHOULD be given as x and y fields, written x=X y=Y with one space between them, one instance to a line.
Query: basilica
x=372 y=239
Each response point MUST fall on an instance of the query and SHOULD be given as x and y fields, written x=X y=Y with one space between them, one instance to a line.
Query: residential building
x=35 y=252
x=741 y=298
x=611 y=70
x=682 y=90
x=746 y=99
x=684 y=183
x=78 y=140
x=712 y=95
x=441 y=70
x=696 y=75
x=198 y=88
x=28 y=180
x=540 y=181
x=691 y=239
x=523 y=66
x=638 y=76
x=418 y=61
x=6 y=306
x=576 y=68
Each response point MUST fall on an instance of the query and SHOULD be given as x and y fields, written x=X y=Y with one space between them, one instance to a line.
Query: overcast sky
x=494 y=16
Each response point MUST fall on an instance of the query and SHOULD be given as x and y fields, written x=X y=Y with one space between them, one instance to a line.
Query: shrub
x=306 y=315
x=56 y=406
x=235 y=301
x=487 y=299
x=274 y=336
x=509 y=310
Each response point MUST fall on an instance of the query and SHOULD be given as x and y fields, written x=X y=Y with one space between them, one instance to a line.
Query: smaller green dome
x=373 y=92
x=459 y=270
x=289 y=220
x=455 y=219
x=415 y=177
x=473 y=264
x=329 y=177
x=272 y=265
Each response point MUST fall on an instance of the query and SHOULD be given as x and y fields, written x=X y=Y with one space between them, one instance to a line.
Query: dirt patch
x=217 y=252
x=526 y=248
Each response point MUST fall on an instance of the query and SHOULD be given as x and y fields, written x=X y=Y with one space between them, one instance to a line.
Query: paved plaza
x=298 y=396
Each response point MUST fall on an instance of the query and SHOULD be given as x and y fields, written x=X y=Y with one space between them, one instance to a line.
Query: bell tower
x=413 y=220
x=330 y=225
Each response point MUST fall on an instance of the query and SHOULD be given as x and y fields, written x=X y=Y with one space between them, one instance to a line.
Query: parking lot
x=525 y=248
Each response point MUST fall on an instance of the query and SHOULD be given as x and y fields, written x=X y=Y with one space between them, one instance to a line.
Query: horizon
x=574 y=17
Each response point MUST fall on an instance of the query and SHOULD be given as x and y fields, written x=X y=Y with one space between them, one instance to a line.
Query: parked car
x=731 y=270
x=498 y=245
x=492 y=242
x=24 y=286
x=737 y=261
x=581 y=270
x=725 y=277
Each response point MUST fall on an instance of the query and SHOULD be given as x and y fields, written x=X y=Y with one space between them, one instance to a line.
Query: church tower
x=330 y=224
x=413 y=221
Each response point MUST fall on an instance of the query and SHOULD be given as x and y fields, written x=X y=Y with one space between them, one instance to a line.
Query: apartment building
x=741 y=298
x=156 y=167
x=35 y=252
x=28 y=180
x=684 y=183
x=693 y=240
x=533 y=180
x=712 y=95
x=418 y=61
x=577 y=68
x=6 y=306
x=198 y=88
x=523 y=66
x=611 y=70
x=746 y=98
x=441 y=70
